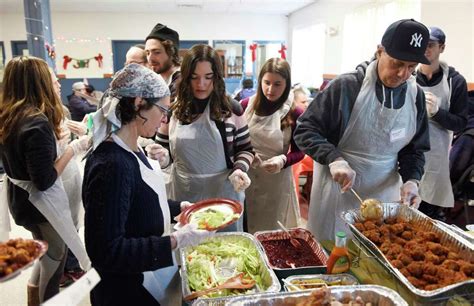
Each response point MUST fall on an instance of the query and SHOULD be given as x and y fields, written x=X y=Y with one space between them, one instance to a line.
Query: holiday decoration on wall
x=282 y=51
x=51 y=51
x=82 y=62
x=253 y=48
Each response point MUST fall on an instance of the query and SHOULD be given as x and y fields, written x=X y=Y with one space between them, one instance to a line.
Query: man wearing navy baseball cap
x=446 y=104
x=368 y=129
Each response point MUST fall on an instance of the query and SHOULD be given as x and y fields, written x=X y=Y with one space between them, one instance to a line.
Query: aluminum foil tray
x=457 y=231
x=296 y=233
x=327 y=278
x=448 y=238
x=377 y=295
x=274 y=286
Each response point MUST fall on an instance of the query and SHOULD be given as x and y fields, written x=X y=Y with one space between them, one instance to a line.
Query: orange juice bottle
x=339 y=260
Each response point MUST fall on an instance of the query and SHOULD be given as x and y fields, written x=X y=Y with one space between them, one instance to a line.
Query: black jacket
x=455 y=118
x=322 y=125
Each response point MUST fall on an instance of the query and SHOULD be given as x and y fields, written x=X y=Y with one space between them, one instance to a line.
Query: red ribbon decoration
x=99 y=58
x=253 y=48
x=66 y=61
x=282 y=51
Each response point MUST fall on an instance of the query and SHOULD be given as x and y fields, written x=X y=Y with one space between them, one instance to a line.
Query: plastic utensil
x=235 y=282
x=357 y=196
x=293 y=241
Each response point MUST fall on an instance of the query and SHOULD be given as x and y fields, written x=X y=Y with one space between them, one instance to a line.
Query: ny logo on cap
x=416 y=40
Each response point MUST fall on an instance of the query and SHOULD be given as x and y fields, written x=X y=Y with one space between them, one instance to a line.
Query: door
x=19 y=47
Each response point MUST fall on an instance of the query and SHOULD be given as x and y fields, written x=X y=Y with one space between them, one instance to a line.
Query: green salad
x=213 y=262
x=212 y=218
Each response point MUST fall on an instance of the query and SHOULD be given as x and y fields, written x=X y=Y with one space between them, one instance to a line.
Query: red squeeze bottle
x=339 y=261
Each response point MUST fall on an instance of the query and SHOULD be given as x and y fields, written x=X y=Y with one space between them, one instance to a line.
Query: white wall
x=122 y=26
x=454 y=17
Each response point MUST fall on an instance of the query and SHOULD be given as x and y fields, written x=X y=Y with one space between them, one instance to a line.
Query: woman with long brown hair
x=30 y=118
x=271 y=116
x=208 y=135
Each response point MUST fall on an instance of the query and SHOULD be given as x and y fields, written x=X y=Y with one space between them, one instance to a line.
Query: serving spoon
x=235 y=282
x=293 y=241
x=371 y=209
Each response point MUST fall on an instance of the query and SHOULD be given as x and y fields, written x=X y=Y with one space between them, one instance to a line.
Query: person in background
x=30 y=125
x=78 y=105
x=246 y=91
x=136 y=55
x=368 y=129
x=271 y=116
x=301 y=96
x=128 y=215
x=446 y=104
x=209 y=141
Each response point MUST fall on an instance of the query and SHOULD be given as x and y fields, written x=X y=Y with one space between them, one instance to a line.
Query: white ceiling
x=273 y=7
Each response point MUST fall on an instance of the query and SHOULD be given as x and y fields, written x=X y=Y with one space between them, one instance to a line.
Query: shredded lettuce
x=213 y=262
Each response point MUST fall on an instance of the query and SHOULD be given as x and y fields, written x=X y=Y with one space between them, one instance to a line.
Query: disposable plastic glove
x=274 y=164
x=432 y=103
x=343 y=174
x=189 y=235
x=410 y=195
x=185 y=204
x=81 y=145
x=240 y=180
x=257 y=161
x=64 y=138
x=77 y=127
x=157 y=152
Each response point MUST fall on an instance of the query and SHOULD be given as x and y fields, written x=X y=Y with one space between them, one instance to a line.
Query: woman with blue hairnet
x=127 y=211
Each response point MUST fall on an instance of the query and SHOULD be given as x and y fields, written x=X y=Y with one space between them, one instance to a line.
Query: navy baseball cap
x=406 y=40
x=436 y=34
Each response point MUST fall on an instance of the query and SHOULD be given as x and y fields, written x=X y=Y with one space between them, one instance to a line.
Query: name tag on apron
x=397 y=134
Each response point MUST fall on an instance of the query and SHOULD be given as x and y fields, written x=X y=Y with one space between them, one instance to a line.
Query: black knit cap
x=162 y=32
x=406 y=40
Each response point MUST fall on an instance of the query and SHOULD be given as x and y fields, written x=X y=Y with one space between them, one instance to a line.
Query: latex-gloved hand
x=159 y=153
x=77 y=127
x=240 y=180
x=410 y=195
x=185 y=204
x=432 y=103
x=343 y=174
x=274 y=164
x=64 y=138
x=257 y=161
x=81 y=145
x=189 y=235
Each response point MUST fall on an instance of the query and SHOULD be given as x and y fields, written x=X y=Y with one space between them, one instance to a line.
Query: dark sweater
x=455 y=118
x=29 y=154
x=79 y=107
x=123 y=220
x=322 y=125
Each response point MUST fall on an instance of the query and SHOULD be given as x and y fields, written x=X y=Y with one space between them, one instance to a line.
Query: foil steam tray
x=296 y=233
x=448 y=238
x=346 y=278
x=377 y=295
x=274 y=285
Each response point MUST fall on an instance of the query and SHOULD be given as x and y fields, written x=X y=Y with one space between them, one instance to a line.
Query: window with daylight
x=307 y=55
x=364 y=28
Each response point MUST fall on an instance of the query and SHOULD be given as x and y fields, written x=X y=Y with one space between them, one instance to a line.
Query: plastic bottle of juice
x=339 y=260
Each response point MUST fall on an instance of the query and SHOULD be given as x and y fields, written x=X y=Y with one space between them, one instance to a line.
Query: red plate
x=41 y=247
x=222 y=204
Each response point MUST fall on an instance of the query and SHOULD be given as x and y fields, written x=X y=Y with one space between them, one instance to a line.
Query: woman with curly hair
x=208 y=135
x=30 y=119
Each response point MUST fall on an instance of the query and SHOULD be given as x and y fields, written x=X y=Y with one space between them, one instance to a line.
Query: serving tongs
x=235 y=282
x=293 y=241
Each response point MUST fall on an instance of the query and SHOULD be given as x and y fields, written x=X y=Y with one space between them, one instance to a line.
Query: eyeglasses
x=164 y=110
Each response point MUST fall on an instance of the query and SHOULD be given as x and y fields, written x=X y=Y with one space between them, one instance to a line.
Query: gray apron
x=199 y=170
x=160 y=282
x=270 y=195
x=370 y=144
x=435 y=185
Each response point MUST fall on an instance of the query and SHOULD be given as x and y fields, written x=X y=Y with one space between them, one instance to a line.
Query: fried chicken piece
x=397 y=263
x=406 y=259
x=399 y=240
x=445 y=274
x=432 y=287
x=390 y=221
x=394 y=251
x=467 y=268
x=451 y=265
x=359 y=226
x=430 y=269
x=452 y=255
x=397 y=228
x=370 y=225
x=430 y=257
x=373 y=235
x=385 y=230
x=407 y=235
x=385 y=246
x=418 y=283
x=405 y=272
x=418 y=253
x=21 y=256
x=437 y=248
x=430 y=279
x=415 y=269
x=431 y=236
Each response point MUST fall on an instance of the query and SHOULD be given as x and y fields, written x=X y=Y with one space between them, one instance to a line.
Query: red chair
x=303 y=168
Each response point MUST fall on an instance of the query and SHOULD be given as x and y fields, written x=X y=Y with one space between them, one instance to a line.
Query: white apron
x=370 y=144
x=156 y=282
x=270 y=195
x=435 y=185
x=199 y=170
x=53 y=204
